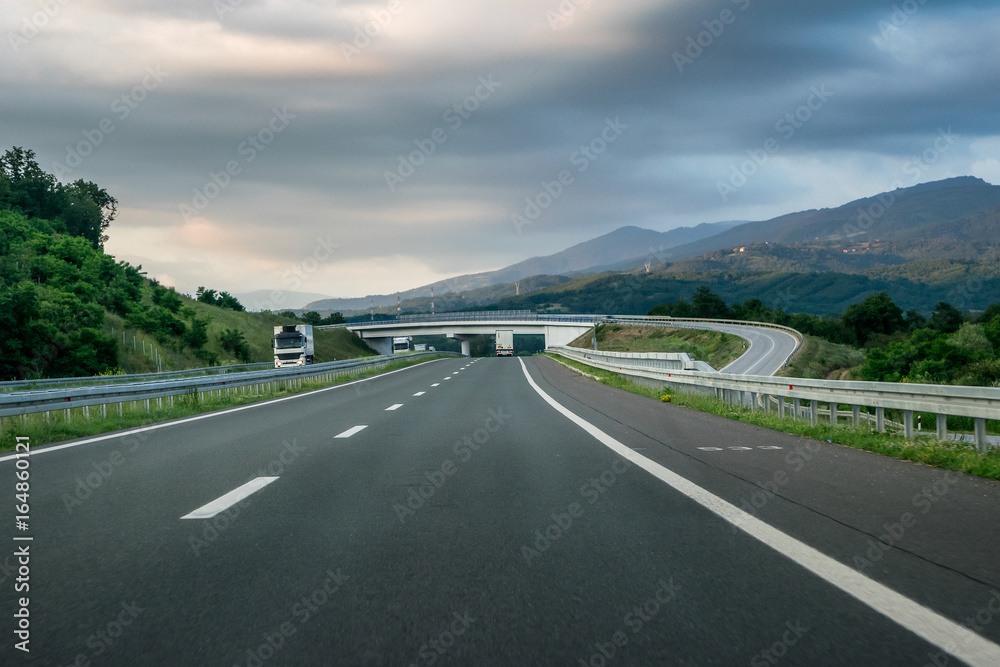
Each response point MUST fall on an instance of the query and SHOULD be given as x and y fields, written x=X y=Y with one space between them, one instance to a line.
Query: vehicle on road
x=401 y=344
x=505 y=342
x=293 y=345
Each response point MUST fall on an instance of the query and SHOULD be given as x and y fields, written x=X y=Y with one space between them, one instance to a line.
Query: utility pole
x=432 y=300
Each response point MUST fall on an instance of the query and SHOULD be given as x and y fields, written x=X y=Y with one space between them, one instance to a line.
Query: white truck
x=401 y=344
x=505 y=342
x=293 y=345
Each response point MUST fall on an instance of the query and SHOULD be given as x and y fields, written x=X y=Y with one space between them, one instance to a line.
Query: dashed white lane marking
x=351 y=431
x=710 y=449
x=741 y=449
x=448 y=378
x=394 y=406
x=926 y=623
x=420 y=393
x=436 y=384
x=770 y=447
x=223 y=503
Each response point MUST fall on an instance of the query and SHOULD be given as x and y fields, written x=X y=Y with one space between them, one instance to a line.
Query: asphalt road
x=471 y=522
x=767 y=349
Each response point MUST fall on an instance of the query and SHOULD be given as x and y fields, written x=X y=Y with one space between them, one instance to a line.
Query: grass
x=946 y=454
x=715 y=348
x=136 y=352
x=58 y=428
x=822 y=360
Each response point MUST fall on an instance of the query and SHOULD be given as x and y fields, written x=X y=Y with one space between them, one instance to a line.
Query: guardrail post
x=104 y=411
x=796 y=409
x=834 y=416
x=856 y=415
x=942 y=426
x=781 y=407
x=753 y=401
x=147 y=406
x=86 y=412
x=119 y=408
x=880 y=419
x=908 y=423
x=814 y=412
x=981 y=441
x=766 y=398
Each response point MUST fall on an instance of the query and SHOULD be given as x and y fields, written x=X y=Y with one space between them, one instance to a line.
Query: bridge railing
x=805 y=395
x=255 y=382
x=472 y=316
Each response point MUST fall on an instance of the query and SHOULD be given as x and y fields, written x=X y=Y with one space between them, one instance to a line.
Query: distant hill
x=621 y=244
x=914 y=221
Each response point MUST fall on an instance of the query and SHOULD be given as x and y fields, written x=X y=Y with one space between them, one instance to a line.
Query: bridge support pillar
x=464 y=340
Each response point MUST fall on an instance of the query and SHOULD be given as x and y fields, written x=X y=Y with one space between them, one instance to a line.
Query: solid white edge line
x=351 y=431
x=394 y=406
x=207 y=415
x=927 y=624
x=222 y=503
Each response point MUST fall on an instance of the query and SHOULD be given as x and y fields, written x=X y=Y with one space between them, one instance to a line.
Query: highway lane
x=767 y=349
x=474 y=524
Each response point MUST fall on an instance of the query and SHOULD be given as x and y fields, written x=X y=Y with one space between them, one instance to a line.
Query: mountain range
x=938 y=233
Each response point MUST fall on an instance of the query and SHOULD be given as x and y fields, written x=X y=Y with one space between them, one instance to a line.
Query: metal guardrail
x=755 y=391
x=133 y=377
x=47 y=400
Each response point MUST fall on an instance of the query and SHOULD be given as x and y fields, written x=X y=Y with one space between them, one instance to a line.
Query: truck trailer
x=293 y=345
x=505 y=342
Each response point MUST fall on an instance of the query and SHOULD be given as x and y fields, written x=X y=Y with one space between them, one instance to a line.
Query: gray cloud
x=890 y=82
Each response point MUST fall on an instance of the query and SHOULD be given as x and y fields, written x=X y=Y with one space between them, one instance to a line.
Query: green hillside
x=67 y=309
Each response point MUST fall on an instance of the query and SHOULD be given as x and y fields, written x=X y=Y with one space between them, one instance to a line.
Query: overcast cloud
x=244 y=138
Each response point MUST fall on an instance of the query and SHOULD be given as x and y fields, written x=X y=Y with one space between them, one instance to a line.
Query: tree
x=334 y=318
x=207 y=296
x=227 y=300
x=875 y=315
x=707 y=304
x=312 y=317
x=234 y=342
x=946 y=318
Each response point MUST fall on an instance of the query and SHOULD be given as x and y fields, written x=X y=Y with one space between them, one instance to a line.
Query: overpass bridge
x=557 y=329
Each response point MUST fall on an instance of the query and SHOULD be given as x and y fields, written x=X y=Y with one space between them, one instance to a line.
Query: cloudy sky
x=349 y=148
